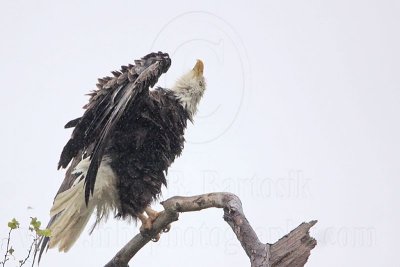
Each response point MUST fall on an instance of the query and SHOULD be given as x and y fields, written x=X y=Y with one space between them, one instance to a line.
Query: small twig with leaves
x=22 y=262
x=34 y=227
x=13 y=224
x=36 y=243
x=7 y=249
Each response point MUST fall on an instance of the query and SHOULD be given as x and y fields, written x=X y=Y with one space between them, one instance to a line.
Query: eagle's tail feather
x=72 y=217
x=70 y=214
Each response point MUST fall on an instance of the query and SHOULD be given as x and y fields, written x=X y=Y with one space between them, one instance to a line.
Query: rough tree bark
x=291 y=250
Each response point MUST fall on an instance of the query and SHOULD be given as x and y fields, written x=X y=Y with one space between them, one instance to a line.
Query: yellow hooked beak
x=198 y=68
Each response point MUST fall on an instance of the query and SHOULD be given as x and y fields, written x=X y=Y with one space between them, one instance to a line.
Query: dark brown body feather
x=143 y=146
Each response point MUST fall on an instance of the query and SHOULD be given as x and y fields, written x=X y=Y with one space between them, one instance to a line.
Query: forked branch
x=291 y=250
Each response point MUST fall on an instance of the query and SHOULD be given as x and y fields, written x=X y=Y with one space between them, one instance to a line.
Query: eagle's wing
x=104 y=110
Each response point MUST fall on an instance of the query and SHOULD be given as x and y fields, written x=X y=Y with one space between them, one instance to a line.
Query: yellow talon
x=147 y=222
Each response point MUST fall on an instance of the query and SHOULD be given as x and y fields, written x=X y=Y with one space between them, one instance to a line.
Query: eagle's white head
x=190 y=88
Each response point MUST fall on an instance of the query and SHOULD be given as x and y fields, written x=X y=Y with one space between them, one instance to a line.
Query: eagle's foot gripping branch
x=147 y=223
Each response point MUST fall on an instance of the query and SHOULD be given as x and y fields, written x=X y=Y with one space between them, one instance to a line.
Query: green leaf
x=45 y=232
x=13 y=224
x=35 y=223
x=11 y=251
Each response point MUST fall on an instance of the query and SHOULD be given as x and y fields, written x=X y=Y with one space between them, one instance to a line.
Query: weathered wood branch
x=291 y=250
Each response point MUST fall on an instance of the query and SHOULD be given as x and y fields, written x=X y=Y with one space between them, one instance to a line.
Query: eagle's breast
x=147 y=141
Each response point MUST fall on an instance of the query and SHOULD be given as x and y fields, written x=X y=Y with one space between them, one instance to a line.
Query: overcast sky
x=300 y=119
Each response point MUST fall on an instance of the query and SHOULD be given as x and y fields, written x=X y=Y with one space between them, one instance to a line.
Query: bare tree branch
x=291 y=250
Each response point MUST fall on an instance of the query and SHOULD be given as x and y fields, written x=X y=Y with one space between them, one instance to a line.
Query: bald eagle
x=122 y=146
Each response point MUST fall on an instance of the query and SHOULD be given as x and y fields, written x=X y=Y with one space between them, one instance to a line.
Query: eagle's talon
x=147 y=223
x=167 y=228
x=156 y=238
x=152 y=214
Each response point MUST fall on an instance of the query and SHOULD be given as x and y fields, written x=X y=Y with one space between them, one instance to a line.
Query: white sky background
x=300 y=119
